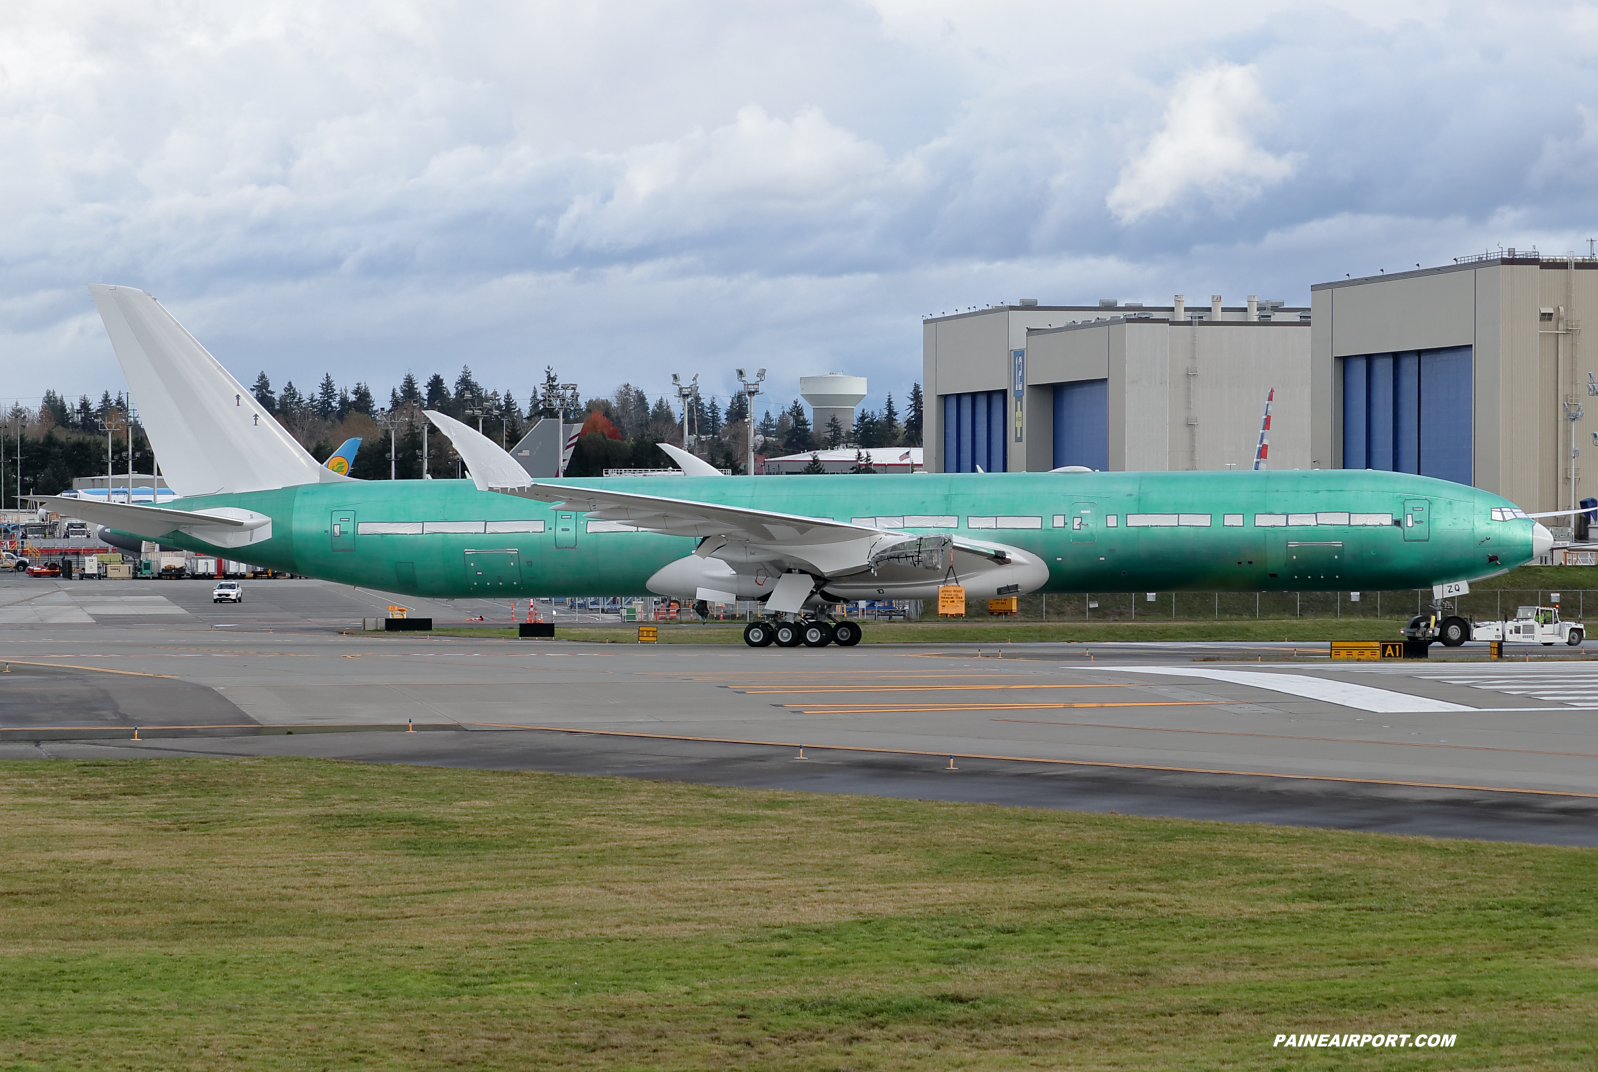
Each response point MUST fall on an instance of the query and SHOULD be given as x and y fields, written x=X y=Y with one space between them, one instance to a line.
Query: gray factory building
x=1472 y=372
x=1029 y=387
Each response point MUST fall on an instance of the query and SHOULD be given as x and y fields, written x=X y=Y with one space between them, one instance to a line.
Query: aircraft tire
x=1453 y=632
x=759 y=634
x=816 y=634
x=845 y=634
x=1575 y=638
x=787 y=634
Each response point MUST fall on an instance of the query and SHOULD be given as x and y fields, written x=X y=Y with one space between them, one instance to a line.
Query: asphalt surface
x=1243 y=732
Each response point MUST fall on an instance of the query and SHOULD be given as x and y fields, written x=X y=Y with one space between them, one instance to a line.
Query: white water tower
x=832 y=395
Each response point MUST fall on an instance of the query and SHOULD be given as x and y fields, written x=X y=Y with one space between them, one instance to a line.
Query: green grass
x=1309 y=630
x=293 y=914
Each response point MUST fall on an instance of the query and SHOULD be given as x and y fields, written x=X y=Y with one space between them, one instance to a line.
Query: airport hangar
x=1470 y=372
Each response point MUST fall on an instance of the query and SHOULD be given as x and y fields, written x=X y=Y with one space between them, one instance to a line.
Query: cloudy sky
x=624 y=190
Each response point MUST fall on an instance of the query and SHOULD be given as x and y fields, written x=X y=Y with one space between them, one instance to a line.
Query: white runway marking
x=101 y=605
x=1575 y=686
x=1342 y=693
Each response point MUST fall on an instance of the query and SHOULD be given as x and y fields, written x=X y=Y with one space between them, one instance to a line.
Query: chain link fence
x=1485 y=605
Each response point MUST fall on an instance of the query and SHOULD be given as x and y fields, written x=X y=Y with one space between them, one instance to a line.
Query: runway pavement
x=1451 y=748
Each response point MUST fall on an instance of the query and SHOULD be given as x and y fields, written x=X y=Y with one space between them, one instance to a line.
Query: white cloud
x=628 y=189
x=756 y=168
x=1207 y=144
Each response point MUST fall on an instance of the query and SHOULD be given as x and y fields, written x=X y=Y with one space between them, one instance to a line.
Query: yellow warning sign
x=648 y=634
x=951 y=600
x=1004 y=605
x=1359 y=650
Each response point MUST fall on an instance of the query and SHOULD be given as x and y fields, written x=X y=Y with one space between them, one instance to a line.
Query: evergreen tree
x=53 y=411
x=834 y=432
x=870 y=430
x=798 y=438
x=84 y=417
x=629 y=411
x=438 y=393
x=408 y=391
x=327 y=400
x=361 y=400
x=345 y=404
x=891 y=431
x=103 y=410
x=862 y=463
x=263 y=394
x=737 y=409
x=713 y=418
x=468 y=392
x=813 y=467
x=766 y=430
x=912 y=418
x=291 y=405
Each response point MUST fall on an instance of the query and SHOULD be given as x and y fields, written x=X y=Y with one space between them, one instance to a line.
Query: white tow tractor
x=1531 y=625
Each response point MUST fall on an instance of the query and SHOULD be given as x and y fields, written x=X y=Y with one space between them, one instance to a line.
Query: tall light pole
x=560 y=397
x=686 y=393
x=385 y=419
x=751 y=389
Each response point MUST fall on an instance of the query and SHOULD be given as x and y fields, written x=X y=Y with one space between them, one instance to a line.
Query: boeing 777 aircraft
x=248 y=490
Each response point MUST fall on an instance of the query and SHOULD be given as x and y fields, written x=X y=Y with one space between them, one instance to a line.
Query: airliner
x=248 y=490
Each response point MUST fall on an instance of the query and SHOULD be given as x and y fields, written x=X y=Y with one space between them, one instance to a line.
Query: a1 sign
x=1451 y=590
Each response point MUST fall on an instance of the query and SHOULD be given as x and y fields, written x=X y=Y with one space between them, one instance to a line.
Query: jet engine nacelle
x=986 y=570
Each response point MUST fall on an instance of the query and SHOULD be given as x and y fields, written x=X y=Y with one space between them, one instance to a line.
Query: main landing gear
x=811 y=632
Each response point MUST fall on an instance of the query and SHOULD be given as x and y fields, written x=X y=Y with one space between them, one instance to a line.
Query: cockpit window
x=1508 y=513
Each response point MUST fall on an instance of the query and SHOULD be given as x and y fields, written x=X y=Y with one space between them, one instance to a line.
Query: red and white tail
x=571 y=445
x=1264 y=448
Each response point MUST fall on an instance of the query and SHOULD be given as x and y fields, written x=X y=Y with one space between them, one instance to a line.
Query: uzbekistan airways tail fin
x=208 y=431
x=342 y=458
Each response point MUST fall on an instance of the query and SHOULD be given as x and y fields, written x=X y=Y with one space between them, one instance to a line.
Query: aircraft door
x=341 y=532
x=495 y=570
x=1084 y=522
x=565 y=530
x=1417 y=519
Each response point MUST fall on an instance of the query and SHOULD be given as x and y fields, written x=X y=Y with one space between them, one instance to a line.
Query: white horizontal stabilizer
x=688 y=463
x=209 y=433
x=491 y=467
x=224 y=526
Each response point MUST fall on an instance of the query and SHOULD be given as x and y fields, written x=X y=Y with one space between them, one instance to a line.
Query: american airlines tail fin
x=209 y=433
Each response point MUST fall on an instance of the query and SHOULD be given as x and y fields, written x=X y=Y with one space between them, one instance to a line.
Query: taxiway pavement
x=1448 y=747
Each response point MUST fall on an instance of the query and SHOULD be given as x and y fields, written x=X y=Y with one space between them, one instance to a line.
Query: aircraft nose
x=1542 y=541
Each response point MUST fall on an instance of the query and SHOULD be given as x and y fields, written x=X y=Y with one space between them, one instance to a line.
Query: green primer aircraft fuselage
x=1097 y=532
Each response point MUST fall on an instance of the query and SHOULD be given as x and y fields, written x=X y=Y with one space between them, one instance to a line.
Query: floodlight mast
x=560 y=397
x=686 y=394
x=385 y=419
x=751 y=389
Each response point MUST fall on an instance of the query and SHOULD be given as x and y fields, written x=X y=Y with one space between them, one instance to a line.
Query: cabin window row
x=1204 y=521
x=431 y=528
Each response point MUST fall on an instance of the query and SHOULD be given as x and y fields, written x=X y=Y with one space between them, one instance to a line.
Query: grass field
x=292 y=914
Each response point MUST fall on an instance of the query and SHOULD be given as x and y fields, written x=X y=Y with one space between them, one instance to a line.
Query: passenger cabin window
x=1370 y=519
x=1110 y=520
x=1232 y=521
x=1269 y=521
x=1167 y=521
x=1004 y=522
x=1059 y=521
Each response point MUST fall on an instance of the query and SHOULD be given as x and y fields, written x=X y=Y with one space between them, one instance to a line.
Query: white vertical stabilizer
x=209 y=432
